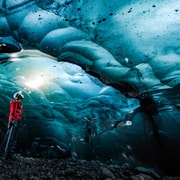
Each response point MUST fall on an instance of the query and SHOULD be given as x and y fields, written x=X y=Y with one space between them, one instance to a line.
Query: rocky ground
x=35 y=168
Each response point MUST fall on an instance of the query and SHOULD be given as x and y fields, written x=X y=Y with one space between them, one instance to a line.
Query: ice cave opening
x=100 y=79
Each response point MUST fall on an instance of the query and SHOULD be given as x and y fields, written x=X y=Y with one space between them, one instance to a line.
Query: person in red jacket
x=15 y=117
x=16 y=107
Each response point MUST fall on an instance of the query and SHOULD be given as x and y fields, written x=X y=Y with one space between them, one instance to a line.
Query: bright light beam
x=35 y=83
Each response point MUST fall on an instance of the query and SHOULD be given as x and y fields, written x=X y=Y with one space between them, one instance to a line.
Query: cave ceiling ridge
x=128 y=53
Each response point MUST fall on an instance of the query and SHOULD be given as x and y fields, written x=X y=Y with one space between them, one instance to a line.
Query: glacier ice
x=132 y=46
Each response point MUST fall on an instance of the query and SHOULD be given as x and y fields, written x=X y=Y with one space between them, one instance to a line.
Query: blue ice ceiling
x=100 y=78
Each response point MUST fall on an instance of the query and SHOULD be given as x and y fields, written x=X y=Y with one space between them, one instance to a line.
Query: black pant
x=9 y=143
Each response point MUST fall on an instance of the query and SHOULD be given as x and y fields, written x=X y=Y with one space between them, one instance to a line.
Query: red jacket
x=15 y=110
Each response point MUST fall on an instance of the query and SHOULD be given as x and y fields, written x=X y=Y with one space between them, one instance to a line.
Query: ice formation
x=131 y=113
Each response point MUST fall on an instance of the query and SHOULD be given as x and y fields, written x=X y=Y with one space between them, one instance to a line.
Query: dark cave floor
x=23 y=168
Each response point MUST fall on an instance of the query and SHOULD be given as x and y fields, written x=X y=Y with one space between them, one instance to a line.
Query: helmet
x=18 y=95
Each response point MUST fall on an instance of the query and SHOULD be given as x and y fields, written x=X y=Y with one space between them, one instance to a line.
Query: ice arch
x=123 y=45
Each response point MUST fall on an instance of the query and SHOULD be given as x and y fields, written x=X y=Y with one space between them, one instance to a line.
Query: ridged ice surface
x=131 y=45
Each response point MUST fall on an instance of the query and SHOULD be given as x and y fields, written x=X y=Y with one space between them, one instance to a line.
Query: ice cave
x=100 y=78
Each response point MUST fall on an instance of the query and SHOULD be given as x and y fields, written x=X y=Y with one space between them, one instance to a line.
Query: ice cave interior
x=100 y=78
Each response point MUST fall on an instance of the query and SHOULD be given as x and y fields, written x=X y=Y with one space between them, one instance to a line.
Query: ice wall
x=130 y=45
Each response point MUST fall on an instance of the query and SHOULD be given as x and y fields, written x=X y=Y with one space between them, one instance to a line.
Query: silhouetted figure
x=90 y=129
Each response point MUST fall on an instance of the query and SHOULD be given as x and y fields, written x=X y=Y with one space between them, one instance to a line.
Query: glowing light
x=35 y=83
x=128 y=123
